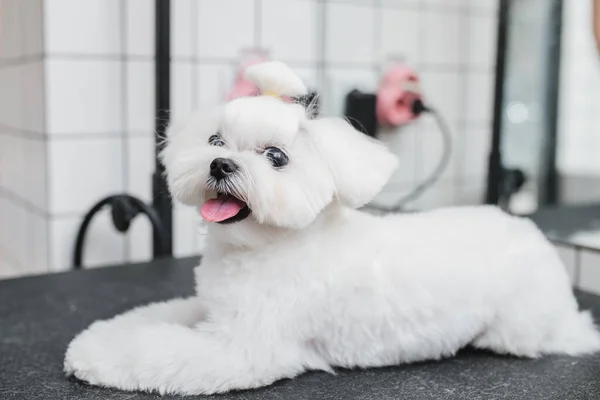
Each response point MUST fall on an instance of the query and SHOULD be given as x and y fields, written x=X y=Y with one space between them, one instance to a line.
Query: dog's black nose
x=221 y=167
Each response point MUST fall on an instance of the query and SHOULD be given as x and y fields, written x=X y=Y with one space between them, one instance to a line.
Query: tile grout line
x=124 y=97
x=48 y=176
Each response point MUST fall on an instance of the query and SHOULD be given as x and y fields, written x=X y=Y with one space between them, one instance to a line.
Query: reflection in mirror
x=550 y=117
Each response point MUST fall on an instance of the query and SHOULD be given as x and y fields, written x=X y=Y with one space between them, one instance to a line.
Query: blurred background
x=77 y=107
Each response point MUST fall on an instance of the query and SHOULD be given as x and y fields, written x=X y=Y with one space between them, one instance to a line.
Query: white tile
x=399 y=35
x=442 y=194
x=482 y=41
x=224 y=27
x=475 y=152
x=4 y=159
x=83 y=96
x=185 y=225
x=579 y=155
x=443 y=91
x=182 y=90
x=13 y=164
x=4 y=227
x=490 y=6
x=289 y=29
x=11 y=44
x=479 y=98
x=83 y=172
x=349 y=33
x=309 y=75
x=590 y=272
x=568 y=255
x=471 y=192
x=340 y=82
x=11 y=107
x=32 y=92
x=8 y=226
x=140 y=26
x=441 y=35
x=183 y=26
x=39 y=243
x=35 y=170
x=139 y=240
x=359 y=2
x=401 y=3
x=392 y=196
x=9 y=269
x=4 y=99
x=141 y=166
x=140 y=96
x=82 y=27
x=20 y=229
x=32 y=26
x=450 y=5
x=103 y=245
x=432 y=148
x=402 y=141
x=214 y=82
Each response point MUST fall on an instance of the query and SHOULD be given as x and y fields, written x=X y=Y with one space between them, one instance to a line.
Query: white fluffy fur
x=307 y=282
x=277 y=78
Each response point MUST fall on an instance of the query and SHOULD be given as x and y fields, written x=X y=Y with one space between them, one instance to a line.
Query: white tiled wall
x=76 y=105
x=23 y=185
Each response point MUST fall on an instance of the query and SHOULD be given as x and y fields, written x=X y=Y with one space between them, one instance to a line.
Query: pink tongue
x=221 y=208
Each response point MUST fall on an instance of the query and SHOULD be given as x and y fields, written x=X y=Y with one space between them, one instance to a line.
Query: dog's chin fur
x=307 y=282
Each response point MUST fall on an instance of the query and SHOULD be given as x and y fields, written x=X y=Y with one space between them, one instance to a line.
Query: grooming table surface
x=40 y=315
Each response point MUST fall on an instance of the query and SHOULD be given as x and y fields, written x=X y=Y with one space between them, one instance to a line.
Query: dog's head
x=262 y=161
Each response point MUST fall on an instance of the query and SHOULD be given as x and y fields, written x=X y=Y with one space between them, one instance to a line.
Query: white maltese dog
x=295 y=278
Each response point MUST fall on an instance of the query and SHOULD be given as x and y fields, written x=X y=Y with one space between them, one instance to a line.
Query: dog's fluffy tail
x=576 y=335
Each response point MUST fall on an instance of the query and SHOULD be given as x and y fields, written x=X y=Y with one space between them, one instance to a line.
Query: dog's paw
x=99 y=356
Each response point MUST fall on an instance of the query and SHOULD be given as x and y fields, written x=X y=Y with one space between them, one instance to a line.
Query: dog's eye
x=215 y=140
x=276 y=157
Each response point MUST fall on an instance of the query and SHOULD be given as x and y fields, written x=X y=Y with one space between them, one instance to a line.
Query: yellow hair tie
x=272 y=94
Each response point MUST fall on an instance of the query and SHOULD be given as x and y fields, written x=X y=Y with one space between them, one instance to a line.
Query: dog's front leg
x=145 y=352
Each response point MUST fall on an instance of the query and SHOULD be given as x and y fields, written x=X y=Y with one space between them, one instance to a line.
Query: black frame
x=160 y=194
x=550 y=189
x=499 y=185
x=495 y=169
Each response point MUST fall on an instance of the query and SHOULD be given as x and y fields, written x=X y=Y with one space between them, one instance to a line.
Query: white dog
x=296 y=279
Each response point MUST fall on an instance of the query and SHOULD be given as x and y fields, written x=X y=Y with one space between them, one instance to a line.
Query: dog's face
x=261 y=161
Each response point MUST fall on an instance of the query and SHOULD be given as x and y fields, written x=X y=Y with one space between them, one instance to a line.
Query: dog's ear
x=360 y=165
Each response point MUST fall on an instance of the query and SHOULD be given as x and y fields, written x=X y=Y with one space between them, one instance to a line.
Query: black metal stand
x=495 y=168
x=162 y=200
x=125 y=208
x=549 y=191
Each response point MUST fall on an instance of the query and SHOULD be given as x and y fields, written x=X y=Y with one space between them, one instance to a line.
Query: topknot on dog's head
x=276 y=79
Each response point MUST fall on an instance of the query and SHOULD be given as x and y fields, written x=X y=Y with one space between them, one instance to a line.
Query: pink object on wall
x=242 y=87
x=396 y=94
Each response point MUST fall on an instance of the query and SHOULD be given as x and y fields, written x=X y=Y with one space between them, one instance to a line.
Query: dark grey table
x=40 y=315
